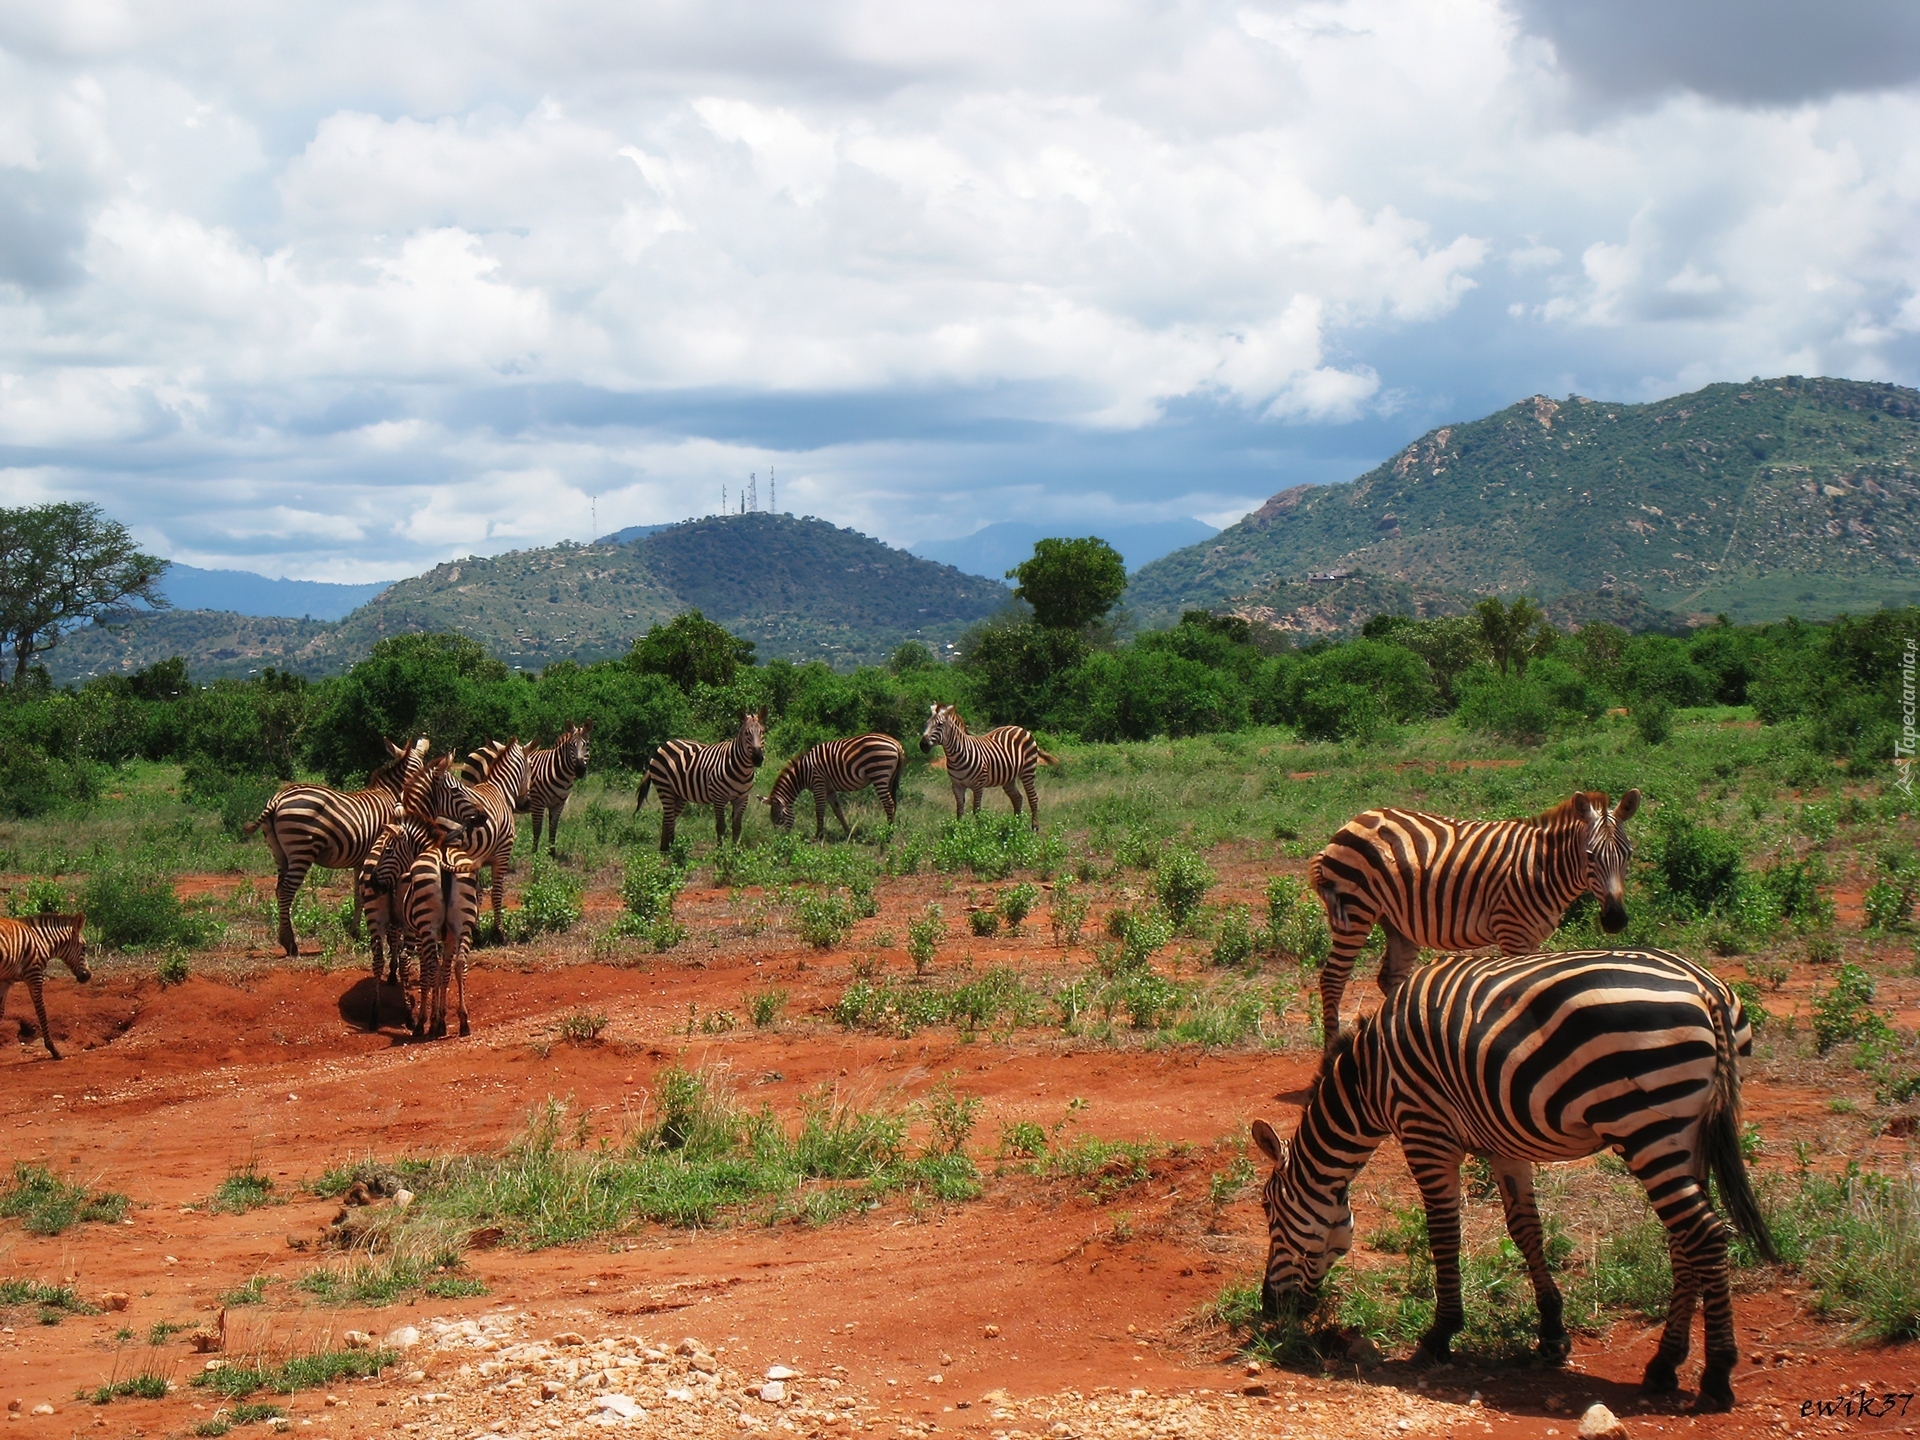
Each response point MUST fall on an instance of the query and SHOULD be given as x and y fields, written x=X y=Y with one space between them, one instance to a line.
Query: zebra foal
x=27 y=946
x=1443 y=884
x=834 y=768
x=550 y=777
x=687 y=772
x=1006 y=757
x=1523 y=1060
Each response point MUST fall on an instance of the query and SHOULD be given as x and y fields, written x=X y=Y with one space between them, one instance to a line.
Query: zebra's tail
x=646 y=784
x=1720 y=1140
x=1044 y=757
x=1330 y=893
x=248 y=830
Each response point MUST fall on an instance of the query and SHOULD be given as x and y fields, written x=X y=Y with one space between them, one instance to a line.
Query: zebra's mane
x=1343 y=1046
x=791 y=768
x=391 y=770
x=58 y=924
x=1563 y=812
x=480 y=765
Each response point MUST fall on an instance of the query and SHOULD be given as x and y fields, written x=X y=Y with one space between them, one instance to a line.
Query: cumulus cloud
x=343 y=292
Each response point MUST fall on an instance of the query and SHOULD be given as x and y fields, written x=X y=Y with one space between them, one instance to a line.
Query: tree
x=1514 y=633
x=691 y=650
x=62 y=565
x=1070 y=583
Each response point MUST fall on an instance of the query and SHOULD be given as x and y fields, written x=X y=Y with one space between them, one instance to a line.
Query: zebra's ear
x=1269 y=1143
x=1624 y=811
x=1584 y=808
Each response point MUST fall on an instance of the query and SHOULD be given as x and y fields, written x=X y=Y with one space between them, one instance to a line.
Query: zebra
x=687 y=772
x=836 y=767
x=495 y=781
x=27 y=946
x=1464 y=884
x=1527 y=1059
x=442 y=909
x=550 y=777
x=308 y=825
x=1005 y=757
x=379 y=891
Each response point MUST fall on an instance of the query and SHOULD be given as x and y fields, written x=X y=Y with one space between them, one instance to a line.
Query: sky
x=339 y=292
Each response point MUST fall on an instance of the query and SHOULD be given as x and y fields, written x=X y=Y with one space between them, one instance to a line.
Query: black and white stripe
x=495 y=782
x=550 y=778
x=27 y=946
x=1443 y=884
x=839 y=767
x=1523 y=1060
x=1005 y=757
x=380 y=891
x=687 y=772
x=442 y=904
x=308 y=825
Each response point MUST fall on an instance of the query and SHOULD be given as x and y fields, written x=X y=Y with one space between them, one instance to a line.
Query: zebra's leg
x=739 y=816
x=1033 y=798
x=499 y=868
x=960 y=800
x=1012 y=788
x=669 y=814
x=1697 y=1246
x=833 y=797
x=1334 y=974
x=977 y=795
x=537 y=816
x=888 y=801
x=284 y=890
x=1402 y=955
x=1523 y=1224
x=1435 y=1163
x=820 y=815
x=40 y=1010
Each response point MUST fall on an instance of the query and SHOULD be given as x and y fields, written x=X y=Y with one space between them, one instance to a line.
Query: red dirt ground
x=166 y=1090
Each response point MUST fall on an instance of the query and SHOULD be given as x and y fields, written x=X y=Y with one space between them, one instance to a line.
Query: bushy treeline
x=1503 y=671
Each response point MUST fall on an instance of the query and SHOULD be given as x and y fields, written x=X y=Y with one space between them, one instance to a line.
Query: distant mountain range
x=245 y=593
x=996 y=549
x=803 y=589
x=1776 y=497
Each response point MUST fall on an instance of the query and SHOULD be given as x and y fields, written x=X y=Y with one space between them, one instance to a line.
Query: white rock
x=679 y=1395
x=357 y=1340
x=781 y=1372
x=688 y=1346
x=403 y=1337
x=1600 y=1423
x=774 y=1391
x=43 y=1408
x=625 y=1406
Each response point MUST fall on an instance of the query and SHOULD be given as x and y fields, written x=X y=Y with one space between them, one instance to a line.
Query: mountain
x=628 y=535
x=1790 y=496
x=803 y=589
x=245 y=593
x=996 y=549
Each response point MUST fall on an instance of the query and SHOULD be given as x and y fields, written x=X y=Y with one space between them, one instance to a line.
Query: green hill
x=1759 y=500
x=804 y=589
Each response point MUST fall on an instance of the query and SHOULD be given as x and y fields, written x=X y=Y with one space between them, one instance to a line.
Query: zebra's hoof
x=1434 y=1351
x=1662 y=1377
x=1555 y=1350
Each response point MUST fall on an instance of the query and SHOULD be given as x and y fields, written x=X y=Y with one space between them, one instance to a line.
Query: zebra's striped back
x=1442 y=884
x=28 y=946
x=1527 y=1059
x=379 y=890
x=442 y=908
x=839 y=767
x=499 y=782
x=1004 y=757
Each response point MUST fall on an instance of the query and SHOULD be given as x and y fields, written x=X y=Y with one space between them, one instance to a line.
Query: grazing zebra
x=308 y=825
x=1464 y=884
x=26 y=948
x=689 y=773
x=495 y=783
x=442 y=911
x=1522 y=1060
x=550 y=777
x=379 y=890
x=836 y=767
x=1005 y=757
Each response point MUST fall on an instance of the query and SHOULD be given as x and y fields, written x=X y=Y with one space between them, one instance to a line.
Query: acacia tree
x=691 y=650
x=62 y=565
x=1514 y=633
x=1070 y=583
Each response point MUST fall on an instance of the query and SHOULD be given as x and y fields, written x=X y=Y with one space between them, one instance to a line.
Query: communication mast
x=773 y=502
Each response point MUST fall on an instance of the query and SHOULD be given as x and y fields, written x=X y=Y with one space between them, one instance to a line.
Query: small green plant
x=766 y=1007
x=1066 y=913
x=254 y=1292
x=1023 y=1139
x=162 y=1331
x=173 y=968
x=550 y=904
x=1653 y=719
x=1233 y=942
x=136 y=909
x=650 y=886
x=39 y=897
x=1845 y=1013
x=1228 y=1185
x=924 y=934
x=1180 y=882
x=1889 y=904
x=824 y=919
x=1141 y=935
x=249 y=1414
x=47 y=1205
x=243 y=1190
x=303 y=1372
x=983 y=922
x=46 y=1297
x=1296 y=925
x=144 y=1386
x=582 y=1028
x=1017 y=903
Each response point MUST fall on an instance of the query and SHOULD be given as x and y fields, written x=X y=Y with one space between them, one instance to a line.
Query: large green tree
x=62 y=565
x=691 y=650
x=1070 y=583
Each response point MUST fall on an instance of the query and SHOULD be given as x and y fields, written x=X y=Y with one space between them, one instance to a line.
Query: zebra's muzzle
x=926 y=746
x=1613 y=917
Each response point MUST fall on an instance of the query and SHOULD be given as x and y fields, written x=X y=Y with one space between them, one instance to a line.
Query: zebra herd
x=1520 y=1059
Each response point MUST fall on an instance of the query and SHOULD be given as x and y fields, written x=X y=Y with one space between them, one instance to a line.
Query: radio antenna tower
x=723 y=499
x=773 y=502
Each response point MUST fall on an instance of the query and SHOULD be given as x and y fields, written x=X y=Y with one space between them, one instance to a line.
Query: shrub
x=1653 y=719
x=983 y=922
x=1697 y=869
x=650 y=885
x=1337 y=711
x=1140 y=933
x=137 y=909
x=993 y=844
x=31 y=784
x=1233 y=945
x=924 y=934
x=824 y=919
x=1017 y=903
x=39 y=897
x=172 y=969
x=1066 y=913
x=1181 y=881
x=1514 y=707
x=1845 y=1013
x=766 y=1007
x=550 y=903
x=1296 y=925
x=1889 y=904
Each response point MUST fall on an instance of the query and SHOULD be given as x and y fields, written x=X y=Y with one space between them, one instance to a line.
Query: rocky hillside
x=804 y=589
x=1792 y=496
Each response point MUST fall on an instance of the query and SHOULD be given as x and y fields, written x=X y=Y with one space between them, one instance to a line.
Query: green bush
x=551 y=903
x=1233 y=943
x=1180 y=882
x=983 y=922
x=1514 y=707
x=1845 y=1013
x=137 y=909
x=824 y=919
x=924 y=934
x=47 y=1205
x=31 y=784
x=1336 y=711
x=1016 y=903
x=1066 y=913
x=39 y=897
x=650 y=886
x=1296 y=925
x=1653 y=719
x=1697 y=869
x=993 y=844
x=1889 y=904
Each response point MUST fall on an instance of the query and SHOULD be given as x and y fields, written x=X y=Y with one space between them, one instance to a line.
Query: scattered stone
x=774 y=1391
x=551 y=1389
x=1600 y=1423
x=992 y=1332
x=14 y=1407
x=403 y=1337
x=115 y=1300
x=43 y=1408
x=1363 y=1352
x=213 y=1365
x=680 y=1395
x=1256 y=1390
x=297 y=1242
x=704 y=1363
x=1253 y=1367
x=569 y=1337
x=335 y=1400
x=625 y=1406
x=781 y=1372
x=357 y=1340
x=688 y=1346
x=402 y=1199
